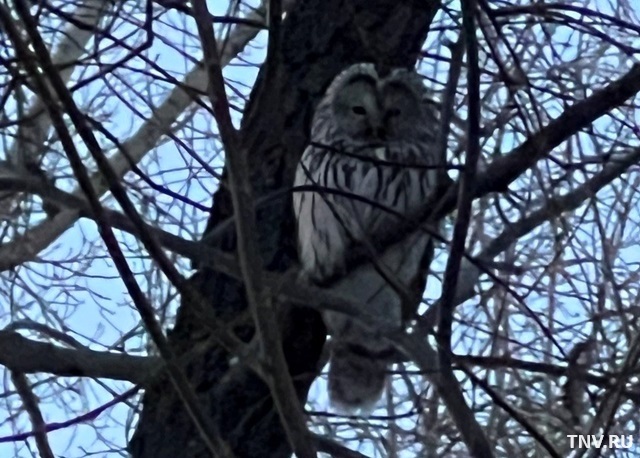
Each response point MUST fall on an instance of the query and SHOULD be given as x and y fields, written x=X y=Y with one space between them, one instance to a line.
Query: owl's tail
x=356 y=376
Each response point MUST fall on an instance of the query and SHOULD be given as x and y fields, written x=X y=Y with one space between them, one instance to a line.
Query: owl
x=371 y=159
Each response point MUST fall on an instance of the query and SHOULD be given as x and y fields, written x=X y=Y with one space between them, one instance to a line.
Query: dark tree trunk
x=319 y=38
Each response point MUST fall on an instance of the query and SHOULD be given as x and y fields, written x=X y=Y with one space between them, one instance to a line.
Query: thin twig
x=87 y=417
x=334 y=449
x=457 y=246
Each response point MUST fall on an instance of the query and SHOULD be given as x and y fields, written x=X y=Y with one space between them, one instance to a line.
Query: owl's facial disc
x=358 y=111
x=401 y=111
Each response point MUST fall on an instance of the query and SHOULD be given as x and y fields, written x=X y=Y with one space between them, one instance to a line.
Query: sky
x=86 y=299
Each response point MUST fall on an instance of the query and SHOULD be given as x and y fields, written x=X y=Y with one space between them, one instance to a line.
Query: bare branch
x=137 y=146
x=20 y=354
x=31 y=136
x=74 y=421
x=203 y=424
x=465 y=188
x=334 y=449
x=448 y=386
x=554 y=207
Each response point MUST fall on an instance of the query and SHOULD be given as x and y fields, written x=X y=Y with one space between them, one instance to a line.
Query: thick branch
x=27 y=356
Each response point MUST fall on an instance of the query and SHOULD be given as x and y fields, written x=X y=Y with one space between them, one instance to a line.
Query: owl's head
x=369 y=108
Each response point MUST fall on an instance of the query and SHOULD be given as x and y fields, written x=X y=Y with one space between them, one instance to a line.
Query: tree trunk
x=318 y=39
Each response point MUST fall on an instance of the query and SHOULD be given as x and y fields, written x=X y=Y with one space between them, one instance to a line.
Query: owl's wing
x=321 y=216
x=347 y=207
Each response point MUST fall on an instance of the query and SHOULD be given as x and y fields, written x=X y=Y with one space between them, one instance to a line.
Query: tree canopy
x=150 y=300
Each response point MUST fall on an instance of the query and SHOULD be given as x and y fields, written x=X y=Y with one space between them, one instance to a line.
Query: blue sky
x=89 y=302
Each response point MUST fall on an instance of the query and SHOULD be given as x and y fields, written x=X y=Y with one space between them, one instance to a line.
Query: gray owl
x=371 y=151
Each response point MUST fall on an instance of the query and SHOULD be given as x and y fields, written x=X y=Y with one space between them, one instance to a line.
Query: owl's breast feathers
x=362 y=189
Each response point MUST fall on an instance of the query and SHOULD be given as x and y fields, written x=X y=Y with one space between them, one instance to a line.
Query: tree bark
x=318 y=39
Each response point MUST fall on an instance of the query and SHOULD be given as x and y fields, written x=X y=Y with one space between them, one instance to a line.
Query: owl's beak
x=378 y=131
x=381 y=133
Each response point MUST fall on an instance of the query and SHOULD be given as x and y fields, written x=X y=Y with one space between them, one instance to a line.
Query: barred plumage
x=372 y=138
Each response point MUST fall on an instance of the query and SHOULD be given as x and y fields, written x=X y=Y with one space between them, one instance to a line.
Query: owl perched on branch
x=371 y=160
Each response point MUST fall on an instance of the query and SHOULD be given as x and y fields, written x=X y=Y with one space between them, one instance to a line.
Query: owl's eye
x=359 y=110
x=394 y=112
